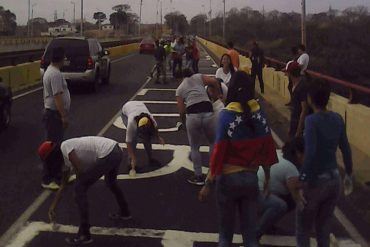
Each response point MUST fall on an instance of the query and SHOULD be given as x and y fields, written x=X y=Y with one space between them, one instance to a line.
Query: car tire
x=5 y=116
x=106 y=80
x=96 y=83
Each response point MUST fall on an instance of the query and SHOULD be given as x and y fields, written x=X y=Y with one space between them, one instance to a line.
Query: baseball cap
x=143 y=121
x=45 y=149
x=291 y=66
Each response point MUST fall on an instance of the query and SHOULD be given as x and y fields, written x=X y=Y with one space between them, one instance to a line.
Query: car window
x=72 y=48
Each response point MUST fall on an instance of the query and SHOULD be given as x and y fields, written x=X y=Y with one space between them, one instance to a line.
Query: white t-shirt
x=225 y=77
x=131 y=110
x=303 y=60
x=279 y=175
x=88 y=150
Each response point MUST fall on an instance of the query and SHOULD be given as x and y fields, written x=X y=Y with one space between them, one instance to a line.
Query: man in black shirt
x=257 y=59
x=299 y=105
x=160 y=57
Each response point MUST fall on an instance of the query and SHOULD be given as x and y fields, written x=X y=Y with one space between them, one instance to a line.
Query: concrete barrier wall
x=26 y=75
x=357 y=117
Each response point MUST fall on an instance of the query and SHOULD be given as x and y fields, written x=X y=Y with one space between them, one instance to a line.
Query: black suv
x=86 y=61
x=5 y=105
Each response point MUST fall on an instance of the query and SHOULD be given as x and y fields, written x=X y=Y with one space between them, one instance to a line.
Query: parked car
x=5 y=105
x=86 y=61
x=147 y=46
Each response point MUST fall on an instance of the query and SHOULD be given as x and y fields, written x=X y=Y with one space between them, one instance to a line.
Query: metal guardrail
x=354 y=92
x=18 y=57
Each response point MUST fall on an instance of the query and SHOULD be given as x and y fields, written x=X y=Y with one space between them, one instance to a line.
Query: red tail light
x=90 y=63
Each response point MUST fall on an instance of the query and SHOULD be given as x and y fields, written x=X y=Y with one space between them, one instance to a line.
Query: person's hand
x=203 y=193
x=161 y=140
x=52 y=215
x=301 y=203
x=65 y=122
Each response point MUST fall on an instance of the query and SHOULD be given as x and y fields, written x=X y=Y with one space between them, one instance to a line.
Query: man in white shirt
x=282 y=187
x=303 y=59
x=90 y=158
x=140 y=126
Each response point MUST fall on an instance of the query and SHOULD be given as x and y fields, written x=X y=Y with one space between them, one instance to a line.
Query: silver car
x=86 y=61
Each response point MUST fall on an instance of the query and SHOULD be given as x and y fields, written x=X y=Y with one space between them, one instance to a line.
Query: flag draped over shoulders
x=238 y=144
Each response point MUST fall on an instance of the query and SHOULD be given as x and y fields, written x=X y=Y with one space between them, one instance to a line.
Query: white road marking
x=158 y=102
x=146 y=90
x=170 y=238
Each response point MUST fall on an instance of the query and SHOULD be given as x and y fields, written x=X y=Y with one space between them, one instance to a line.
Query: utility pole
x=224 y=22
x=74 y=13
x=33 y=5
x=303 y=23
x=161 y=19
x=29 y=16
x=82 y=18
x=210 y=18
x=141 y=5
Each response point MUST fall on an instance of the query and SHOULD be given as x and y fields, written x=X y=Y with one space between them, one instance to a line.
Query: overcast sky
x=46 y=8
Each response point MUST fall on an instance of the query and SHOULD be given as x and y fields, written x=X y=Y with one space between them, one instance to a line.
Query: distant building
x=62 y=30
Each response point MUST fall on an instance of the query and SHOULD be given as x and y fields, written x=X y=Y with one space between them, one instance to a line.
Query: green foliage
x=177 y=22
x=8 y=22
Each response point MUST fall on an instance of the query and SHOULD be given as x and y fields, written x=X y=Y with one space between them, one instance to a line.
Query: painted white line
x=170 y=238
x=27 y=93
x=20 y=222
x=146 y=90
x=168 y=147
x=158 y=102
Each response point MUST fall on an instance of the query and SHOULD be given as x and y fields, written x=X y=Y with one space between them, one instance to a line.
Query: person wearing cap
x=89 y=158
x=140 y=126
x=299 y=108
x=57 y=101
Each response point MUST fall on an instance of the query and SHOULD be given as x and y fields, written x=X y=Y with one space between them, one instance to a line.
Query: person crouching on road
x=196 y=112
x=141 y=126
x=283 y=186
x=90 y=158
x=243 y=143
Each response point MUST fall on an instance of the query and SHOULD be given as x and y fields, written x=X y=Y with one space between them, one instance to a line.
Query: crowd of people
x=254 y=182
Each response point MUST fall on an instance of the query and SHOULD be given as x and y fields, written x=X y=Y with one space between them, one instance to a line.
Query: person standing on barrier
x=300 y=108
x=89 y=158
x=257 y=58
x=321 y=184
x=57 y=101
x=234 y=54
x=243 y=143
x=197 y=116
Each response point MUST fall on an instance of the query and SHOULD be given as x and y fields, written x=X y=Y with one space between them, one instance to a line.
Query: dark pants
x=177 y=62
x=161 y=70
x=54 y=132
x=257 y=72
x=237 y=193
x=108 y=167
x=195 y=66
x=290 y=88
x=321 y=201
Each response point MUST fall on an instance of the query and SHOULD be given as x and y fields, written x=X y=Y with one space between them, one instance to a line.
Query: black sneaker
x=197 y=180
x=115 y=216
x=79 y=239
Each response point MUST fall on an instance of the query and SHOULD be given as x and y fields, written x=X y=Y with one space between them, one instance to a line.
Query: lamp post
x=74 y=13
x=141 y=5
x=29 y=16
x=82 y=18
x=303 y=23
x=33 y=5
x=224 y=22
x=210 y=18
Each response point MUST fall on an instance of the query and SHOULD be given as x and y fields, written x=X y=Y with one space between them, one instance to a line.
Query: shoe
x=79 y=239
x=50 y=186
x=115 y=216
x=197 y=180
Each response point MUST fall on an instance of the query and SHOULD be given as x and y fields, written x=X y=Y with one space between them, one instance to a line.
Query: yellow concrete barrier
x=358 y=122
x=338 y=104
x=120 y=51
x=34 y=75
x=5 y=75
x=268 y=77
x=18 y=77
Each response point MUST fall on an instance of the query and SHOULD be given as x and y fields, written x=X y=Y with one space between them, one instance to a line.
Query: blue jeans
x=237 y=192
x=321 y=201
x=272 y=209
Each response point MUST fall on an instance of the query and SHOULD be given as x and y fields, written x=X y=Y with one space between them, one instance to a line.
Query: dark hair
x=241 y=90
x=319 y=92
x=230 y=44
x=57 y=55
x=291 y=148
x=302 y=47
x=231 y=66
x=187 y=72
x=294 y=50
x=55 y=158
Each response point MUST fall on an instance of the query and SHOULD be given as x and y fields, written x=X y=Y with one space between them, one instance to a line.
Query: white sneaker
x=51 y=186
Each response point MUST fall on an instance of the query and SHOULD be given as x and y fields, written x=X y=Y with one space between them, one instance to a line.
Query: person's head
x=294 y=50
x=293 y=151
x=145 y=127
x=157 y=43
x=301 y=49
x=318 y=95
x=230 y=44
x=181 y=40
x=187 y=72
x=50 y=153
x=241 y=90
x=226 y=62
x=213 y=93
x=254 y=44
x=58 y=56
x=293 y=70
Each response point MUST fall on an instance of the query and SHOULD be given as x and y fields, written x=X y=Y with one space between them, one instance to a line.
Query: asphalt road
x=164 y=206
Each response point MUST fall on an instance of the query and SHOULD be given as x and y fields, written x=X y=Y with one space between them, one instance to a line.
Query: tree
x=198 y=24
x=122 y=8
x=8 y=22
x=39 y=25
x=177 y=22
x=100 y=17
x=123 y=17
x=118 y=19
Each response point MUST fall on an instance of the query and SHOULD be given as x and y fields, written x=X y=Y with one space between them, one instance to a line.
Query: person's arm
x=65 y=177
x=76 y=162
x=295 y=189
x=310 y=145
x=304 y=112
x=204 y=192
x=182 y=109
